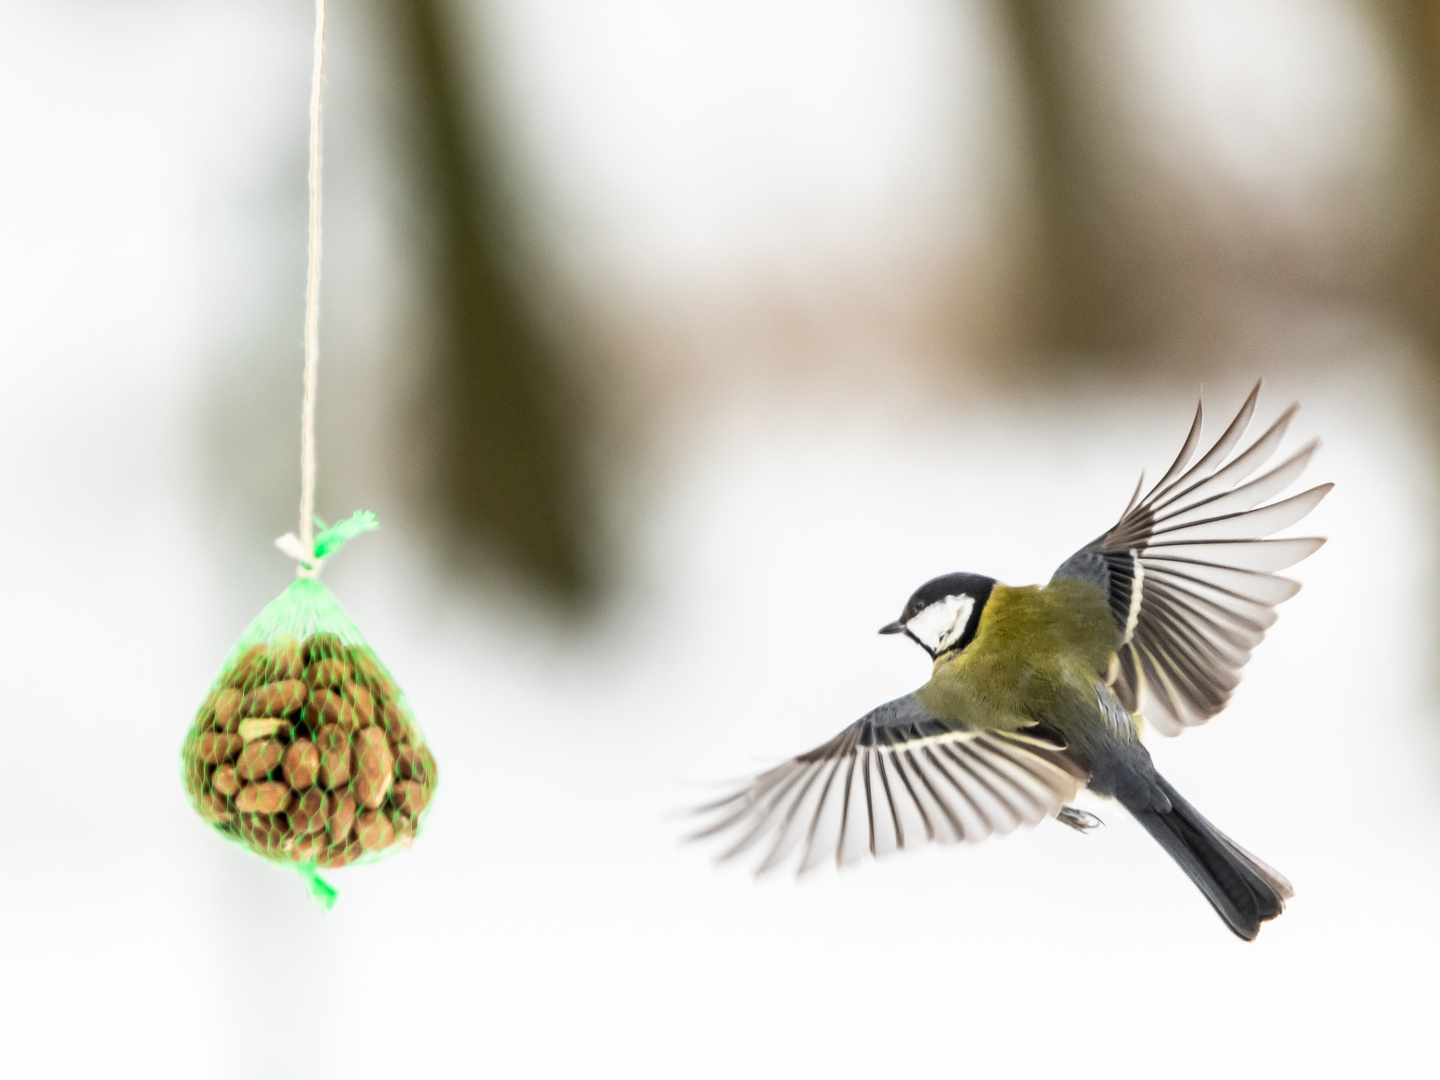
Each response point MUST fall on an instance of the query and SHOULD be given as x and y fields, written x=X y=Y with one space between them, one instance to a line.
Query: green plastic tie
x=321 y=891
x=331 y=537
x=329 y=540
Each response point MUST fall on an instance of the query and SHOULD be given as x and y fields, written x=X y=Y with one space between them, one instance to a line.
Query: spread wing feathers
x=1191 y=573
x=893 y=779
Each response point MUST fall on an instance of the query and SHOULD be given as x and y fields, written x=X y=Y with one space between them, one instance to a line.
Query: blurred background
x=674 y=344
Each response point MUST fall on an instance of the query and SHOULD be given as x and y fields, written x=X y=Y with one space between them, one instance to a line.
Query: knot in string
x=328 y=540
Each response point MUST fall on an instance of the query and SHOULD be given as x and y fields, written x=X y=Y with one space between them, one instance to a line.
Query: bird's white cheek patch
x=940 y=625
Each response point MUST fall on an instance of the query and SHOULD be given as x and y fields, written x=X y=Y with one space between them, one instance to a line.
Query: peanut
x=215 y=808
x=301 y=764
x=227 y=709
x=308 y=848
x=262 y=728
x=336 y=857
x=363 y=661
x=374 y=767
x=404 y=830
x=361 y=704
x=370 y=673
x=214 y=747
x=309 y=812
x=415 y=763
x=334 y=745
x=409 y=797
x=342 y=819
x=225 y=782
x=374 y=831
x=247 y=669
x=283 y=661
x=267 y=797
x=331 y=672
x=192 y=768
x=395 y=722
x=258 y=759
x=322 y=647
x=326 y=707
x=275 y=699
x=266 y=835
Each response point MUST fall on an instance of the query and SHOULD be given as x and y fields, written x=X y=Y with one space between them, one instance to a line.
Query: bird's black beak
x=896 y=627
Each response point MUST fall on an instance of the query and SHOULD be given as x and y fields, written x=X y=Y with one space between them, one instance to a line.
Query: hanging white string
x=302 y=548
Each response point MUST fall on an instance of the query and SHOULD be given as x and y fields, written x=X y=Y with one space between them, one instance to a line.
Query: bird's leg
x=1082 y=821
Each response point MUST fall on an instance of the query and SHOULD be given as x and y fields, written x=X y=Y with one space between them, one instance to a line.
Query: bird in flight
x=1039 y=691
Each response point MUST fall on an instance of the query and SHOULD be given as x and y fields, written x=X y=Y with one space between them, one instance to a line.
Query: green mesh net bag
x=305 y=749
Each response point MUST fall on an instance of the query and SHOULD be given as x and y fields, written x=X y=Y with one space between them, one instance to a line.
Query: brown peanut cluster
x=306 y=753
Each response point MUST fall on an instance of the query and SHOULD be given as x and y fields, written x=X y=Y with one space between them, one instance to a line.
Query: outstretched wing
x=897 y=777
x=1190 y=573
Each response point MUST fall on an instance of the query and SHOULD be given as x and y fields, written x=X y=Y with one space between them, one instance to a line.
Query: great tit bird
x=1039 y=691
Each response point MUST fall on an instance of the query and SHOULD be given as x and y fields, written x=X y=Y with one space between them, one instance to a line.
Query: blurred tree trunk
x=502 y=451
x=1088 y=288
x=1110 y=272
x=1412 y=287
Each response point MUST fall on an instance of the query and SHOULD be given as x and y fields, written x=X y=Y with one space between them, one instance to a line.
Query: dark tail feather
x=1239 y=886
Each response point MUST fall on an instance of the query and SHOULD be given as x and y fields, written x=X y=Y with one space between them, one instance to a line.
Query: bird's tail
x=1239 y=886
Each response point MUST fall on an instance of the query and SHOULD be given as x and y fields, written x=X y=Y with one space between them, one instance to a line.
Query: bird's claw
x=1082 y=821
